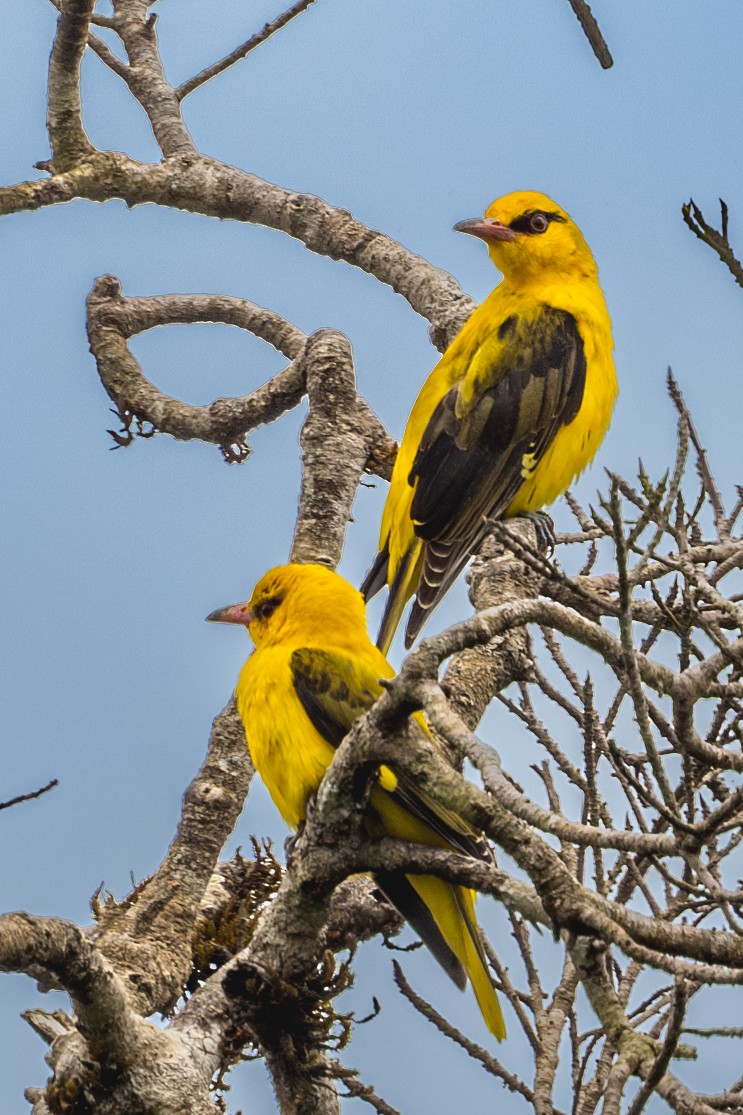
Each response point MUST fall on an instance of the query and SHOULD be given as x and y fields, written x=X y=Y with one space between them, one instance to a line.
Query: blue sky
x=413 y=118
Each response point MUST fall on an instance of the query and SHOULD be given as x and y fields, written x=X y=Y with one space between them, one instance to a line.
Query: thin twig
x=356 y=1090
x=30 y=796
x=662 y=1061
x=242 y=51
x=704 y=470
x=489 y=1063
x=717 y=241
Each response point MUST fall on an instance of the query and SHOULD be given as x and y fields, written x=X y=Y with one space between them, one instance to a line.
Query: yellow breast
x=290 y=756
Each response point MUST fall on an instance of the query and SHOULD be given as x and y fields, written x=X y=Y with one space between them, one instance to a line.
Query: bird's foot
x=292 y=843
x=545 y=530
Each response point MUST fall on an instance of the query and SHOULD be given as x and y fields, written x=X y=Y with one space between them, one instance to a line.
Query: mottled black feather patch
x=476 y=459
x=331 y=705
x=507 y=327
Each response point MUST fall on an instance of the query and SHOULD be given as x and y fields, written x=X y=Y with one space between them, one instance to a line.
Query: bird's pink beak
x=233 y=613
x=486 y=228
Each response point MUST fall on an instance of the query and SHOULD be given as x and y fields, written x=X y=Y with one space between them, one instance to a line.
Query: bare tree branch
x=146 y=78
x=717 y=241
x=244 y=955
x=148 y=936
x=100 y=48
x=67 y=136
x=202 y=185
x=490 y=1063
x=339 y=427
x=112 y=319
x=31 y=796
x=591 y=30
x=242 y=51
x=109 y=1037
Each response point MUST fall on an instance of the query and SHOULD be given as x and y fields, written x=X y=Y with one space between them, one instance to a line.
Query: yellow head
x=529 y=236
x=306 y=604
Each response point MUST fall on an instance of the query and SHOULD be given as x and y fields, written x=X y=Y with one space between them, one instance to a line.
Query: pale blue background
x=413 y=116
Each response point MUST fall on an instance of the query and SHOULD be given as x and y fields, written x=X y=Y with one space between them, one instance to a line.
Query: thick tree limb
x=338 y=439
x=67 y=136
x=202 y=185
x=148 y=937
x=98 y=46
x=146 y=78
x=477 y=673
x=117 y=1041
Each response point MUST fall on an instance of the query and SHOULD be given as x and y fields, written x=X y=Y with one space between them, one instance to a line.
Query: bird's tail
x=476 y=964
x=443 y=916
x=402 y=588
x=376 y=578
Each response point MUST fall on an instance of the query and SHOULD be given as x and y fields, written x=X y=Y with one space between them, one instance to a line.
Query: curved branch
x=44 y=947
x=112 y=319
x=103 y=1056
x=424 y=661
x=321 y=367
x=201 y=185
x=447 y=724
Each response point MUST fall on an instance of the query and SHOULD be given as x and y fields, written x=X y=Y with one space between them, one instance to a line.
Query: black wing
x=469 y=467
x=334 y=690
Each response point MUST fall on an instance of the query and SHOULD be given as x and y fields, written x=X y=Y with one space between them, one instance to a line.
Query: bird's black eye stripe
x=524 y=222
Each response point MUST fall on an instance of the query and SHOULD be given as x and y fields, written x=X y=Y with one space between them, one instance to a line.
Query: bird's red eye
x=266 y=609
x=538 y=222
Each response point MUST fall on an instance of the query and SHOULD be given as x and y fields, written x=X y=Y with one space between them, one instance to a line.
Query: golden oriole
x=514 y=410
x=314 y=670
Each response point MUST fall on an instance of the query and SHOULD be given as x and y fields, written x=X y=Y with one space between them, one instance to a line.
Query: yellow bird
x=511 y=414
x=313 y=672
